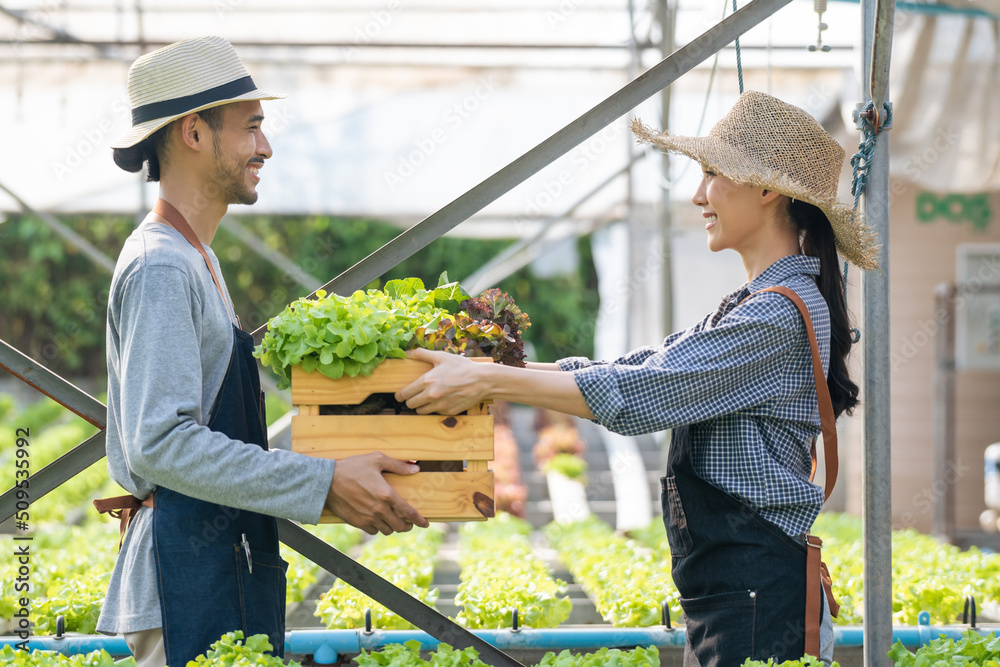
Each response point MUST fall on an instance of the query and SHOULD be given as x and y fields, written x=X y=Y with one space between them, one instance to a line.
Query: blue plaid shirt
x=743 y=380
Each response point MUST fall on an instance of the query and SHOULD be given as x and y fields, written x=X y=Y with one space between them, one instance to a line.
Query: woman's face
x=732 y=212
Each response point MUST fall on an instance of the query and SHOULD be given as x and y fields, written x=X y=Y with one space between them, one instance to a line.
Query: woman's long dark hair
x=817 y=240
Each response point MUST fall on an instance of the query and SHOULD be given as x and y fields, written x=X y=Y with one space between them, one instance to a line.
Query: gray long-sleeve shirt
x=169 y=341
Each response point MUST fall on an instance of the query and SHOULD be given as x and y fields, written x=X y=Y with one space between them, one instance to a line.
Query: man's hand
x=360 y=495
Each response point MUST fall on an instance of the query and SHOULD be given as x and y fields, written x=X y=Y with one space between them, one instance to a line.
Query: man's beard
x=231 y=181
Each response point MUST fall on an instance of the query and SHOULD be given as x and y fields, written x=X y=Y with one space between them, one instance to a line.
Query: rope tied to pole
x=870 y=122
x=739 y=59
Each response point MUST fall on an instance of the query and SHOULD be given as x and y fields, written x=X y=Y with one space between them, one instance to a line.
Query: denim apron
x=741 y=578
x=218 y=567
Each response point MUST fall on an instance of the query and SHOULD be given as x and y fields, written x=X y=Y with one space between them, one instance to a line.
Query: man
x=186 y=431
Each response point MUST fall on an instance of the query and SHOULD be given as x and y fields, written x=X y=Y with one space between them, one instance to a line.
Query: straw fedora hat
x=767 y=143
x=182 y=78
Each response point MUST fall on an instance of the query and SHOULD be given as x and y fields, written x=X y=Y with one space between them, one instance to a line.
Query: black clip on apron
x=742 y=579
x=218 y=567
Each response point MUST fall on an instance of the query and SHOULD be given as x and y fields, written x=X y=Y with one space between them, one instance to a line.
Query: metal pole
x=944 y=411
x=666 y=17
x=636 y=230
x=876 y=30
x=642 y=88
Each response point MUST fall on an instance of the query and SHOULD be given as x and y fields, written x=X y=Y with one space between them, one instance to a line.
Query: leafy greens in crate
x=350 y=335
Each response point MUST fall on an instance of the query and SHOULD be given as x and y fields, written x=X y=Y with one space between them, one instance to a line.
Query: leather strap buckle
x=123 y=508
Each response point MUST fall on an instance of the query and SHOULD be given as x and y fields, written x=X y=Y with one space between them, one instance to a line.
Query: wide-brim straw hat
x=184 y=77
x=768 y=143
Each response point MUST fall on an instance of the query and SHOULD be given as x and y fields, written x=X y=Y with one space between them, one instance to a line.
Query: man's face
x=240 y=149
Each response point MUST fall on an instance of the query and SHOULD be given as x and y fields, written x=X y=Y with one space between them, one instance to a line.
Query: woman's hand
x=454 y=385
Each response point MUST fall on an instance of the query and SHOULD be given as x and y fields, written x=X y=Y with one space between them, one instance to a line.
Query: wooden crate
x=461 y=491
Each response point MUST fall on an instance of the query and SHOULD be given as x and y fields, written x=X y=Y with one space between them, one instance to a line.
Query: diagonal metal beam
x=412 y=240
x=61 y=391
x=519 y=254
x=93 y=450
x=21 y=16
x=642 y=88
x=424 y=617
x=71 y=237
x=64 y=468
x=69 y=396
x=283 y=263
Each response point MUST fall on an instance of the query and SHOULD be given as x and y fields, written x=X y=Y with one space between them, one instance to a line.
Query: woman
x=738 y=389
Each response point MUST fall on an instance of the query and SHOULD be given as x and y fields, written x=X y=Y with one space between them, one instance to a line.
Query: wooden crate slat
x=442 y=496
x=387 y=378
x=413 y=437
x=439 y=496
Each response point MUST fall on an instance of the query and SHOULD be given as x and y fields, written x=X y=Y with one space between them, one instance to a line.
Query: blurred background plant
x=55 y=302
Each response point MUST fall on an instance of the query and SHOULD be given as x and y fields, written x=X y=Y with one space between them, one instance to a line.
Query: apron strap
x=124 y=508
x=817 y=575
x=827 y=420
x=814 y=608
x=166 y=210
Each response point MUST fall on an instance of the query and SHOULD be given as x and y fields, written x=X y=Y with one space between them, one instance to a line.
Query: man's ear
x=192 y=131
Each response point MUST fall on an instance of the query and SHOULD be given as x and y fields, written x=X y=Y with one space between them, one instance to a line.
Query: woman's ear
x=769 y=196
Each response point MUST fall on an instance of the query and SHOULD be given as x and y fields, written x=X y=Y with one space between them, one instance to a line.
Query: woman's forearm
x=540 y=366
x=455 y=383
x=540 y=388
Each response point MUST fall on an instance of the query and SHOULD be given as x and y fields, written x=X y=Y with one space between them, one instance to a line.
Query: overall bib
x=745 y=587
x=741 y=578
x=218 y=567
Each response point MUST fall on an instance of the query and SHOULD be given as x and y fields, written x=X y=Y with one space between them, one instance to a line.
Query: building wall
x=922 y=256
